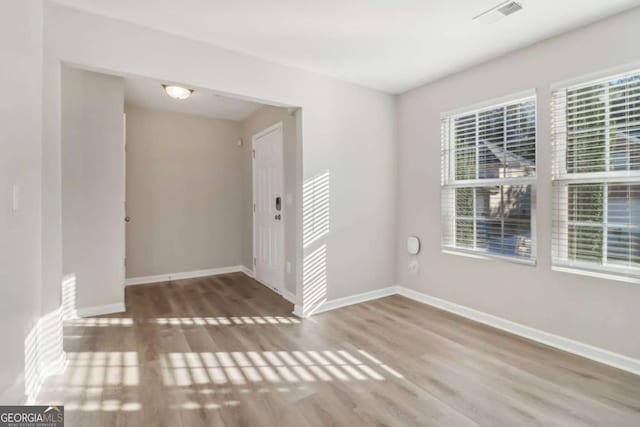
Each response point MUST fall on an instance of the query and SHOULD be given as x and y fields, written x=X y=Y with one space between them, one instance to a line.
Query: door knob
x=127 y=219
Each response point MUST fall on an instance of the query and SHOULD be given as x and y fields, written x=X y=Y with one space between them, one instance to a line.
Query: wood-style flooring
x=226 y=351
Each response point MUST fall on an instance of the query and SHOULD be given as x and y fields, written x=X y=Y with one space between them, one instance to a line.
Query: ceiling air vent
x=498 y=12
x=509 y=8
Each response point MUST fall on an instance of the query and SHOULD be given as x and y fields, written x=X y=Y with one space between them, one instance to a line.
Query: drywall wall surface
x=264 y=118
x=595 y=311
x=93 y=186
x=20 y=168
x=185 y=187
x=347 y=131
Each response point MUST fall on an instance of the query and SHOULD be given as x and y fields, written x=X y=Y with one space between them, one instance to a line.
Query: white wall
x=20 y=157
x=93 y=186
x=342 y=124
x=260 y=120
x=595 y=311
x=185 y=192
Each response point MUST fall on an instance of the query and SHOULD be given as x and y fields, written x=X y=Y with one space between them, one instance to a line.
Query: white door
x=268 y=208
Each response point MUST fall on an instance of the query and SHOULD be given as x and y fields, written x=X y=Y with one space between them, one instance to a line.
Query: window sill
x=596 y=272
x=486 y=256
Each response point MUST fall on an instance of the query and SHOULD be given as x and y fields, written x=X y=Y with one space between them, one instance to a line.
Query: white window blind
x=488 y=163
x=596 y=175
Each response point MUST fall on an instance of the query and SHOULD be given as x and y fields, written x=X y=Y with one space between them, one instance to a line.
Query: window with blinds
x=596 y=175
x=488 y=179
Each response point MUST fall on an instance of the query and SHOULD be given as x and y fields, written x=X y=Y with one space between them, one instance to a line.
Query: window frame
x=561 y=179
x=449 y=182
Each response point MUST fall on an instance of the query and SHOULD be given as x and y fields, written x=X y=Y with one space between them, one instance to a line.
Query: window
x=596 y=176
x=488 y=179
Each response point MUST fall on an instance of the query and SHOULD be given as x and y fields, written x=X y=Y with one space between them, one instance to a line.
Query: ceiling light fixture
x=177 y=92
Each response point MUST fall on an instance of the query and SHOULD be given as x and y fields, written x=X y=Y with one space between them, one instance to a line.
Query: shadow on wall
x=315 y=229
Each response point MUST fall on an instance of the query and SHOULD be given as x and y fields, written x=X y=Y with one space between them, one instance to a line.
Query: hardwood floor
x=225 y=350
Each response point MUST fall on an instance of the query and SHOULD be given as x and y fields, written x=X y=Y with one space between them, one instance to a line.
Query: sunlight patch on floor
x=232 y=320
x=269 y=367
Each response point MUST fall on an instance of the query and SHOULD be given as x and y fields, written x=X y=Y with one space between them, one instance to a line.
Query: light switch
x=15 y=202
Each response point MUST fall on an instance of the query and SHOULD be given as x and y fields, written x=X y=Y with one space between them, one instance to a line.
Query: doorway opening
x=166 y=187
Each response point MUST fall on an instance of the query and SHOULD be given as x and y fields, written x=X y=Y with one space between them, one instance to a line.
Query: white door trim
x=265 y=132
x=280 y=286
x=124 y=202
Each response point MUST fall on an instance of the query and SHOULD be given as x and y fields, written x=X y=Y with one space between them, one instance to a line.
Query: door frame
x=279 y=287
x=124 y=201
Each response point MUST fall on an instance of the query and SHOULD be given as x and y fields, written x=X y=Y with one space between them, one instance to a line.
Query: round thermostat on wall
x=413 y=245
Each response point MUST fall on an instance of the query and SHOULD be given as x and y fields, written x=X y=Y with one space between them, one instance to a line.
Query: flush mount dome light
x=177 y=92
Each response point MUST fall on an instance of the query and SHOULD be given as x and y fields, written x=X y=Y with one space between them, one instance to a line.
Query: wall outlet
x=414 y=266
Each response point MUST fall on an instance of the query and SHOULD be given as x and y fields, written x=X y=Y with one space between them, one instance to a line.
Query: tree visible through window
x=488 y=175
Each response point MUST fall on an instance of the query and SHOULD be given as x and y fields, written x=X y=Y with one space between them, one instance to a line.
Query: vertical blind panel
x=491 y=219
x=493 y=143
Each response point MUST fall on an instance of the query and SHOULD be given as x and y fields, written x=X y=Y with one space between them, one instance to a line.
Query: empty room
x=339 y=213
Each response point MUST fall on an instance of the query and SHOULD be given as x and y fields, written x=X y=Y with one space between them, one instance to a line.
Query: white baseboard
x=297 y=310
x=597 y=354
x=289 y=296
x=286 y=294
x=248 y=271
x=585 y=350
x=187 y=275
x=350 y=300
x=99 y=310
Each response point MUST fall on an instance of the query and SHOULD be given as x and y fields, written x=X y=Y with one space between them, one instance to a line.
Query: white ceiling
x=150 y=93
x=390 y=45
